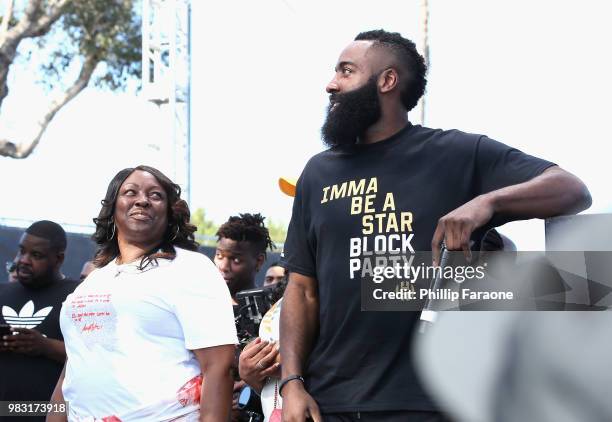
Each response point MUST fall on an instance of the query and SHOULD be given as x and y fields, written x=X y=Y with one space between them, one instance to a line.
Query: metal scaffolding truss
x=166 y=75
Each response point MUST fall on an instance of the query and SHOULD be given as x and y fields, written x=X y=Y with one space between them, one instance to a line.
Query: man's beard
x=236 y=286
x=39 y=281
x=354 y=112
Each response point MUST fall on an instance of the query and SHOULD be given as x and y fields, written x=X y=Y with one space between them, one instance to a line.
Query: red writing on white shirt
x=91 y=327
x=89 y=312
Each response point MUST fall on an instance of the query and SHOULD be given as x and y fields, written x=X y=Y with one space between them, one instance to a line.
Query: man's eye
x=347 y=71
x=237 y=261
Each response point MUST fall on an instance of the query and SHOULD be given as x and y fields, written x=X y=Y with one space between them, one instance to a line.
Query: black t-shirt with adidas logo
x=24 y=377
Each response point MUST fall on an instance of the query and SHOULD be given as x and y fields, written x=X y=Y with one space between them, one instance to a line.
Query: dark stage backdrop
x=80 y=249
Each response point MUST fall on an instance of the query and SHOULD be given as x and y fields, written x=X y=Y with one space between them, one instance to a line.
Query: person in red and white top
x=150 y=333
x=260 y=361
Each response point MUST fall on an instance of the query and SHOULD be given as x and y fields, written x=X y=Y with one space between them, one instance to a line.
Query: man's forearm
x=55 y=349
x=554 y=192
x=298 y=326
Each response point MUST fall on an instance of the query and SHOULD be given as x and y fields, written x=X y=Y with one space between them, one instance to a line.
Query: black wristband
x=286 y=380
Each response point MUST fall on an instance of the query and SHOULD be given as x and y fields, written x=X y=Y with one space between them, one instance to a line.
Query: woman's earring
x=112 y=230
x=175 y=234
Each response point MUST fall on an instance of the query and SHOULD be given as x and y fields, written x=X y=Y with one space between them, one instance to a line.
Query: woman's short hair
x=178 y=233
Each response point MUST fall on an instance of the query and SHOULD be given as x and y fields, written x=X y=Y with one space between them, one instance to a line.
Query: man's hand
x=456 y=227
x=298 y=404
x=33 y=343
x=258 y=360
x=26 y=341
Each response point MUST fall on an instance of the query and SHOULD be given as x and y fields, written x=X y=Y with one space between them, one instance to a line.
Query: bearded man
x=32 y=352
x=384 y=178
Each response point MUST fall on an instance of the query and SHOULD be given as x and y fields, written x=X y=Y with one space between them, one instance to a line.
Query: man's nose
x=24 y=258
x=332 y=86
x=223 y=265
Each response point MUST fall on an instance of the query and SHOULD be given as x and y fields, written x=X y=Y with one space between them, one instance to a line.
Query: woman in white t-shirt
x=153 y=320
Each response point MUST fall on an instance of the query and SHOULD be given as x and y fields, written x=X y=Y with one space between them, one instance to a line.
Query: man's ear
x=261 y=258
x=60 y=259
x=388 y=80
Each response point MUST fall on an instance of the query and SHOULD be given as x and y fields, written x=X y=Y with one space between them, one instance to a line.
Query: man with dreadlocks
x=242 y=242
x=241 y=250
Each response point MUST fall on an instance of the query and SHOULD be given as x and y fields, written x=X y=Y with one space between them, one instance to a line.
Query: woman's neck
x=130 y=252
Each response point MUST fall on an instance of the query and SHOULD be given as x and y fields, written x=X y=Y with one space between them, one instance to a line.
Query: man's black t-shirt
x=394 y=189
x=31 y=377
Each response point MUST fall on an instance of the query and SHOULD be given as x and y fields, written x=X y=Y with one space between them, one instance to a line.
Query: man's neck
x=44 y=282
x=387 y=126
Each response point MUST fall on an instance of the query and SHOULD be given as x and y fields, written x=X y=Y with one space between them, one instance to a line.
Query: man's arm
x=554 y=192
x=298 y=327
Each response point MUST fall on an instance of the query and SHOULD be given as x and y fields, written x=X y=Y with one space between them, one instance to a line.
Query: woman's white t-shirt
x=129 y=335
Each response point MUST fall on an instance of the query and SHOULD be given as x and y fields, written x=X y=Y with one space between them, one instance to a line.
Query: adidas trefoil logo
x=26 y=317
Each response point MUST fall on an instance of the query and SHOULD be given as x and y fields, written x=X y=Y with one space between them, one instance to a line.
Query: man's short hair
x=409 y=61
x=249 y=228
x=51 y=231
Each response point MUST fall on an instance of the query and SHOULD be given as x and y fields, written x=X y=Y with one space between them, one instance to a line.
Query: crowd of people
x=149 y=333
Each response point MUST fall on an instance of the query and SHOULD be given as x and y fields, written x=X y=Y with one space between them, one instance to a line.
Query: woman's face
x=141 y=209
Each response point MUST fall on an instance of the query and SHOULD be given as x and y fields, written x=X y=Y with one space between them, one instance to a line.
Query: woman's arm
x=58 y=398
x=217 y=383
